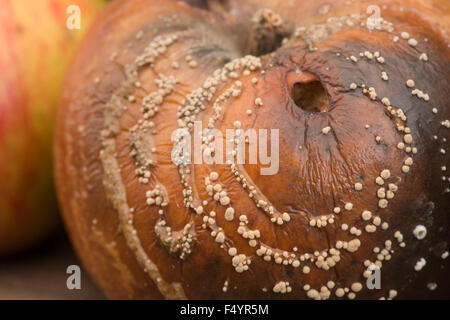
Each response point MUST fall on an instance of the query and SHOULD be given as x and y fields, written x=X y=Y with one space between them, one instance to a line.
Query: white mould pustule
x=420 y=232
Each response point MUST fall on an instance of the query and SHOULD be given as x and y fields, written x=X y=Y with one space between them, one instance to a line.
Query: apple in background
x=35 y=49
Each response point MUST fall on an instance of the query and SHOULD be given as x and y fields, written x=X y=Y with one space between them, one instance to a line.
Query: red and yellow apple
x=35 y=48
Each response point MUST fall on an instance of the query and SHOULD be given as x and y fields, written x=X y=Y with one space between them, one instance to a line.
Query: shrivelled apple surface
x=361 y=184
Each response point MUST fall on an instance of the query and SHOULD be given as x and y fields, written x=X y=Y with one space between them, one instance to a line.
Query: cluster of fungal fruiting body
x=353 y=193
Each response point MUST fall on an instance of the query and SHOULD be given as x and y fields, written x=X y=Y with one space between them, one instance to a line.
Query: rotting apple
x=359 y=190
x=35 y=48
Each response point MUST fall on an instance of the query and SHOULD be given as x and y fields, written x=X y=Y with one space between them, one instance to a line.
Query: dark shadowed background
x=41 y=273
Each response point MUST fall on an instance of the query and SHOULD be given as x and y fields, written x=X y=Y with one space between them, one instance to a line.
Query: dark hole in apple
x=310 y=96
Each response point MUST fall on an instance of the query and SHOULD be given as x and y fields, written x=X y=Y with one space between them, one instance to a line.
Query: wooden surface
x=41 y=274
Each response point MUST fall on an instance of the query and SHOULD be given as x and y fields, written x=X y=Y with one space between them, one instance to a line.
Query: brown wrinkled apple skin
x=317 y=172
